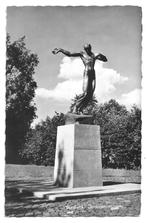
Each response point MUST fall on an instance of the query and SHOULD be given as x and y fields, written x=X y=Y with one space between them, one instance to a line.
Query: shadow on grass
x=109 y=183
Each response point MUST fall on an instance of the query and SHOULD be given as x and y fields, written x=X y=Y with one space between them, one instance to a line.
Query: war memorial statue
x=78 y=149
x=89 y=80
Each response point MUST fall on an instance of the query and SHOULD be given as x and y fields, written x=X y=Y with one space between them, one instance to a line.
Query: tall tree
x=20 y=91
x=134 y=137
x=120 y=135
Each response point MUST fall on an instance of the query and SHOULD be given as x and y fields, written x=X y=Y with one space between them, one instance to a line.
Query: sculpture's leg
x=83 y=103
x=78 y=104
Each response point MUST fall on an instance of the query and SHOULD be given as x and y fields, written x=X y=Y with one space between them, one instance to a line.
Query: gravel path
x=120 y=205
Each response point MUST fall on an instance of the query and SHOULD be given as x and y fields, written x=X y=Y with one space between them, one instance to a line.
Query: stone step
x=88 y=191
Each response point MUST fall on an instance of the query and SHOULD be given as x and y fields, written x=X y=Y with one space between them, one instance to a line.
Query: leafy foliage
x=120 y=136
x=20 y=91
x=41 y=141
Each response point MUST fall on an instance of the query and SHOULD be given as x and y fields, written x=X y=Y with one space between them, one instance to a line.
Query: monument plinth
x=78 y=156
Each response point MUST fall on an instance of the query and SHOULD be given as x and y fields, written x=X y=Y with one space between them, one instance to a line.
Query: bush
x=41 y=142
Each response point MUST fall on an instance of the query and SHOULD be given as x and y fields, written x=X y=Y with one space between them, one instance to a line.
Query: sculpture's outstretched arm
x=101 y=57
x=66 y=53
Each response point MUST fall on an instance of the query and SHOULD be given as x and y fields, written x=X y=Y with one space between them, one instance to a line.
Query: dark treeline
x=120 y=136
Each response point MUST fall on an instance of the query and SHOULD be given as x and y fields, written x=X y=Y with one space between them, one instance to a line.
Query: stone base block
x=78 y=156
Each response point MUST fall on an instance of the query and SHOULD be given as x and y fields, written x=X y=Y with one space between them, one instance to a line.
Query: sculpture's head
x=87 y=47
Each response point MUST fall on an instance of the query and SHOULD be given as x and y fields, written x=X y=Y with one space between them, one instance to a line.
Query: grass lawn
x=119 y=205
x=33 y=172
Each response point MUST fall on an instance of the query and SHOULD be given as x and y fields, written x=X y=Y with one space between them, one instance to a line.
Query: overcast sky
x=113 y=31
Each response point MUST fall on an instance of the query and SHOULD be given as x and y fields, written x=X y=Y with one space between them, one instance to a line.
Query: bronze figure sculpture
x=89 y=81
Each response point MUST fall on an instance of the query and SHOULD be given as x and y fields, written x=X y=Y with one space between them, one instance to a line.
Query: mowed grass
x=24 y=172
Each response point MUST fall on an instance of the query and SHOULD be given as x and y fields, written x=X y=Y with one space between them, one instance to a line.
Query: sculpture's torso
x=88 y=60
x=89 y=73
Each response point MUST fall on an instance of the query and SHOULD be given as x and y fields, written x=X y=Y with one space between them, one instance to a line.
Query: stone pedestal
x=78 y=156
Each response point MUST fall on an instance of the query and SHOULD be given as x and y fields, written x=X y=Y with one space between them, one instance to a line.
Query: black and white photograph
x=73 y=111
